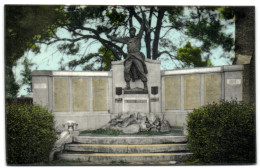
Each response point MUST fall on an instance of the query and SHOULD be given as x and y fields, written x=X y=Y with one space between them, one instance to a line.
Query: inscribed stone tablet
x=191 y=92
x=80 y=94
x=61 y=94
x=172 y=93
x=212 y=88
x=99 y=86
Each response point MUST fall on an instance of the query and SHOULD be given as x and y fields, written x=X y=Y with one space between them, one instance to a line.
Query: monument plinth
x=137 y=99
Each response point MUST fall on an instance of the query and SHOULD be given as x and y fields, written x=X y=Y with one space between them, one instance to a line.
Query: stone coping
x=203 y=70
x=163 y=73
x=72 y=73
x=146 y=60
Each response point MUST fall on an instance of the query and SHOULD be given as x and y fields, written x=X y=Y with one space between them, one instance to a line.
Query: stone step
x=125 y=157
x=119 y=148
x=131 y=140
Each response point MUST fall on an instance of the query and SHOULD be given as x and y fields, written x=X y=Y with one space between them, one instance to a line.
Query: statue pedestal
x=135 y=101
x=151 y=99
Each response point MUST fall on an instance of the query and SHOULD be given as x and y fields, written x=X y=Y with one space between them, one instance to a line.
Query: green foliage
x=227 y=12
x=82 y=61
x=116 y=17
x=69 y=48
x=11 y=87
x=208 y=29
x=88 y=25
x=151 y=133
x=101 y=132
x=30 y=133
x=119 y=163
x=223 y=133
x=78 y=15
x=26 y=73
x=117 y=132
x=108 y=57
x=25 y=24
x=174 y=13
x=191 y=56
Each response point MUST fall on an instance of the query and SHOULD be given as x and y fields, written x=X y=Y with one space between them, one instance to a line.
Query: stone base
x=127 y=149
x=135 y=103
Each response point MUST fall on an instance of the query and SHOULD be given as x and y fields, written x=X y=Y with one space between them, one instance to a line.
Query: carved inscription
x=154 y=99
x=135 y=101
x=234 y=81
x=191 y=92
x=172 y=93
x=80 y=94
x=99 y=88
x=40 y=86
x=61 y=94
x=212 y=88
x=118 y=100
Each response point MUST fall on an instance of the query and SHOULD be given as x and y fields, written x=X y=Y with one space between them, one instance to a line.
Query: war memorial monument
x=135 y=96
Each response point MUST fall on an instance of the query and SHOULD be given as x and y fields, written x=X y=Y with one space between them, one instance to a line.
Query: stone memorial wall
x=186 y=89
x=92 y=99
x=83 y=97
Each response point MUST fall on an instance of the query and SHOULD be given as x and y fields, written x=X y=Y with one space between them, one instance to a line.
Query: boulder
x=165 y=126
x=131 y=129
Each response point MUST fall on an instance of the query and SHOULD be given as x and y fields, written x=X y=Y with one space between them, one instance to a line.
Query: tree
x=191 y=56
x=11 y=86
x=90 y=24
x=24 y=25
x=26 y=73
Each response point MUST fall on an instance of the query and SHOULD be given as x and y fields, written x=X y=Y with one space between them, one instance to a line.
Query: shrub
x=223 y=133
x=30 y=133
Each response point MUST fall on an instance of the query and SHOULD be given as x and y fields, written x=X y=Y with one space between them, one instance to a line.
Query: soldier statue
x=134 y=64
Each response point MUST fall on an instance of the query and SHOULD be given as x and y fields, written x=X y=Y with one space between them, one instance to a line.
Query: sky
x=49 y=57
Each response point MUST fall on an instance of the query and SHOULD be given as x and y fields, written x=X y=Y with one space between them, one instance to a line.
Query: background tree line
x=27 y=27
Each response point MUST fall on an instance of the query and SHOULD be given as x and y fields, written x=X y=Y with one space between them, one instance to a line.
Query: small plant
x=151 y=133
x=30 y=133
x=101 y=132
x=223 y=133
x=119 y=163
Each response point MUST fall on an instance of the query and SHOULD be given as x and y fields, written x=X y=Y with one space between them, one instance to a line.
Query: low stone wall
x=184 y=90
x=91 y=99
x=84 y=97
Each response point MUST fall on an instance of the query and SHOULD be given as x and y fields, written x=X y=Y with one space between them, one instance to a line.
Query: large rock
x=131 y=129
x=165 y=126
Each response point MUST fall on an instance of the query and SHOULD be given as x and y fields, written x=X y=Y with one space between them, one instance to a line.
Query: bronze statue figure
x=134 y=64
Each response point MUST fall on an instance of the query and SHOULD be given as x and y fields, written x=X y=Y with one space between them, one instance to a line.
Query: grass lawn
x=117 y=133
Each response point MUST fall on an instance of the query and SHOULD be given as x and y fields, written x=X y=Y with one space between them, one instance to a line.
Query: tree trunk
x=157 y=33
x=147 y=37
x=148 y=44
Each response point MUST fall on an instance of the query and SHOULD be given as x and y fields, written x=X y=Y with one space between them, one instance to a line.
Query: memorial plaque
x=212 y=88
x=40 y=86
x=136 y=101
x=118 y=100
x=99 y=88
x=154 y=99
x=61 y=94
x=80 y=94
x=172 y=93
x=234 y=82
x=191 y=92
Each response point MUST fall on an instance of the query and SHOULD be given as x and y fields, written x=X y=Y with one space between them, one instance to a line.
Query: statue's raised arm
x=141 y=31
x=119 y=39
